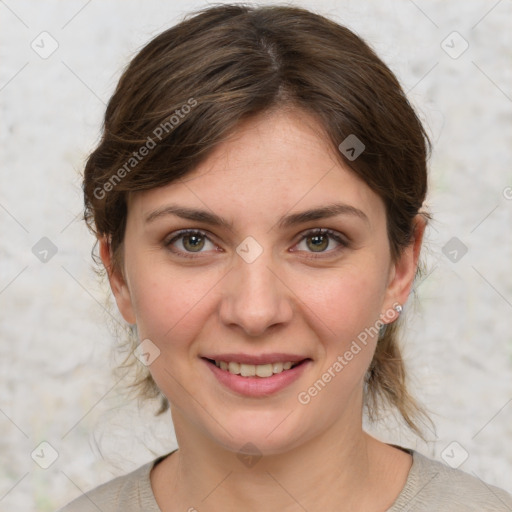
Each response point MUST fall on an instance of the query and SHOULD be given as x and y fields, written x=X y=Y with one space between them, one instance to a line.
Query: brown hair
x=189 y=87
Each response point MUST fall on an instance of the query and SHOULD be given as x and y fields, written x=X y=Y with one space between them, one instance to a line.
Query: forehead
x=271 y=164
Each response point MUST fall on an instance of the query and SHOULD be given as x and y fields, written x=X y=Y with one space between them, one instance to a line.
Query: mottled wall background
x=59 y=65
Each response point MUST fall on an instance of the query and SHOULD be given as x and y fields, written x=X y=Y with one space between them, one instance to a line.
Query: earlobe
x=117 y=282
x=404 y=269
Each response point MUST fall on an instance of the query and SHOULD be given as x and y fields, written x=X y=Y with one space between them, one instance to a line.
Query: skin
x=314 y=456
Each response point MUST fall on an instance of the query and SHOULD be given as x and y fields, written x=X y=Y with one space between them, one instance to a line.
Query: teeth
x=264 y=370
x=277 y=367
x=234 y=368
x=252 y=370
x=247 y=370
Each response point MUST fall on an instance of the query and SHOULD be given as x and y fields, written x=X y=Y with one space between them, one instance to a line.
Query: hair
x=191 y=86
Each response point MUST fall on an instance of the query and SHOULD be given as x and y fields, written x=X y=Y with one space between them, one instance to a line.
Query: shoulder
x=128 y=493
x=432 y=485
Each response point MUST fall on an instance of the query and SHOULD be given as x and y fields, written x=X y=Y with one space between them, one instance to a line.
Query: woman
x=258 y=201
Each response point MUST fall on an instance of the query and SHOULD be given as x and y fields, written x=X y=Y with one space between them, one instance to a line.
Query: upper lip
x=257 y=359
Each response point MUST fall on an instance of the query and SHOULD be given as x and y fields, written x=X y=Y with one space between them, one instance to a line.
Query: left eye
x=194 y=241
x=320 y=240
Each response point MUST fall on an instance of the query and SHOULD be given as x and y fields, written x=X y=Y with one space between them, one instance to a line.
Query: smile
x=254 y=370
x=256 y=380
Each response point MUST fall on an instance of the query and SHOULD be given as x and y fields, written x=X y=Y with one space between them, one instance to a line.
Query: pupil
x=196 y=241
x=317 y=241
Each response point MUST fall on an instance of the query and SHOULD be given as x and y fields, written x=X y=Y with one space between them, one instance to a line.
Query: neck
x=343 y=466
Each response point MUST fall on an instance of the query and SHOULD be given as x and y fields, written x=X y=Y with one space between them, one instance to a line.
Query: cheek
x=347 y=299
x=346 y=313
x=171 y=307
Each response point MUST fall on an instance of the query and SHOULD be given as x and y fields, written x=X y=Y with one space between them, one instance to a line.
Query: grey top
x=430 y=487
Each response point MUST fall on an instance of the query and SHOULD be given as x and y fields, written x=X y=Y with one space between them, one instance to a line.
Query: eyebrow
x=287 y=221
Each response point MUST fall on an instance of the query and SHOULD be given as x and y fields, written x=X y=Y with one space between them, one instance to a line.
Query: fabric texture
x=430 y=487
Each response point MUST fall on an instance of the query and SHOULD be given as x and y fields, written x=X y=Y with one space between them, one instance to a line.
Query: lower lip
x=257 y=386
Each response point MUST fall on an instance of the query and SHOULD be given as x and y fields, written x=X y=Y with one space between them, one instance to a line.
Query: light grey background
x=55 y=350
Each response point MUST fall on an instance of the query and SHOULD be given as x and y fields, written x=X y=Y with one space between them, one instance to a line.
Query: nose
x=255 y=298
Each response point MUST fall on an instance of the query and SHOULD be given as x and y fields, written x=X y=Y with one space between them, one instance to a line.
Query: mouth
x=255 y=370
x=256 y=377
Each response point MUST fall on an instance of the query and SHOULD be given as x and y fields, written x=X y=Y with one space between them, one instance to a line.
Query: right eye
x=191 y=241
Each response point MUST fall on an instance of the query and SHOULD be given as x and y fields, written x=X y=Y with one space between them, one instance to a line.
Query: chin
x=257 y=433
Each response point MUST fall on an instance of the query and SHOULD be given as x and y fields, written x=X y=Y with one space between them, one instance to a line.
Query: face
x=253 y=286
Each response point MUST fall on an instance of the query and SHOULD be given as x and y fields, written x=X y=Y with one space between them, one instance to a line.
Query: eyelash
x=313 y=232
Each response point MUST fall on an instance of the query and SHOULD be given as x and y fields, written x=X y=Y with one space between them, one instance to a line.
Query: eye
x=191 y=241
x=318 y=240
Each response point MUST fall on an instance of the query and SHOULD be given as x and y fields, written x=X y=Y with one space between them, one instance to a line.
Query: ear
x=403 y=270
x=117 y=282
